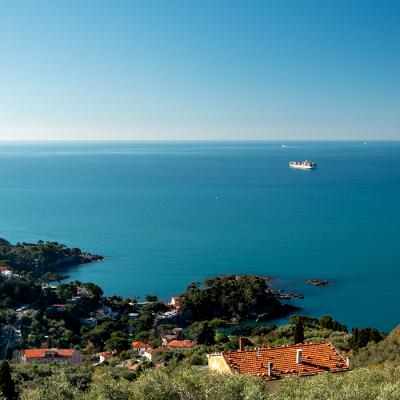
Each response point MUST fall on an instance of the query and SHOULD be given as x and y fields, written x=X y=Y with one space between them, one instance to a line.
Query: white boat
x=303 y=164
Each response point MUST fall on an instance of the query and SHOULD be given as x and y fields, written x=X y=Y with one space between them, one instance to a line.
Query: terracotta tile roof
x=140 y=345
x=181 y=344
x=316 y=358
x=40 y=353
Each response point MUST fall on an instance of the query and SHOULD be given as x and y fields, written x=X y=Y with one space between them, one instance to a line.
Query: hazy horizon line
x=195 y=140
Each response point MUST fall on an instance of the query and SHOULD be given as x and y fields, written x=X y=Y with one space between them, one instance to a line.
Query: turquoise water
x=167 y=214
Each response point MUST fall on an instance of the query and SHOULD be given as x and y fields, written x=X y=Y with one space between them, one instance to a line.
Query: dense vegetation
x=233 y=297
x=371 y=383
x=42 y=256
x=379 y=352
x=16 y=290
x=188 y=384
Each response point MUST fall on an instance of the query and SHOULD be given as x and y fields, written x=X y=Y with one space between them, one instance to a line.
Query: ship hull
x=301 y=166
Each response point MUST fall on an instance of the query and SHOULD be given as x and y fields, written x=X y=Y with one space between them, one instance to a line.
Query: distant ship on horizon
x=303 y=164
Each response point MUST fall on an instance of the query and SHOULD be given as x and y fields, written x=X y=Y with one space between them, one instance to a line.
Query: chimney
x=299 y=353
x=270 y=367
x=241 y=344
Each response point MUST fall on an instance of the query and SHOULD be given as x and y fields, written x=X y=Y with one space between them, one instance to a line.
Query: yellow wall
x=217 y=363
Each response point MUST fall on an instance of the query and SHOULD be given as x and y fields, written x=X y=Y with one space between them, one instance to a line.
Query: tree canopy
x=229 y=296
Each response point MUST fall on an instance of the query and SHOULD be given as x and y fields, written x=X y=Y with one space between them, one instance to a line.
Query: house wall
x=217 y=363
x=75 y=359
x=148 y=356
x=59 y=360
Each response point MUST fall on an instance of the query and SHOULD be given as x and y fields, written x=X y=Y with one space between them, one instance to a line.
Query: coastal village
x=265 y=362
x=269 y=363
x=231 y=170
x=223 y=325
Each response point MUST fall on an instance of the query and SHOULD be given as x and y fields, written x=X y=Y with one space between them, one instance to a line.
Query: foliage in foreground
x=374 y=383
x=188 y=384
x=378 y=383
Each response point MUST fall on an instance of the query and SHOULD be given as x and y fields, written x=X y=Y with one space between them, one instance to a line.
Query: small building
x=62 y=356
x=181 y=344
x=5 y=271
x=176 y=302
x=105 y=355
x=271 y=363
x=151 y=354
x=105 y=311
x=140 y=347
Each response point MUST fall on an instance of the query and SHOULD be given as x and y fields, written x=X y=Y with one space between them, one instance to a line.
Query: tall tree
x=298 y=333
x=7 y=385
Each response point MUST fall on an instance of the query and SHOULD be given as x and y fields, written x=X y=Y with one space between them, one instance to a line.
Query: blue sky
x=215 y=69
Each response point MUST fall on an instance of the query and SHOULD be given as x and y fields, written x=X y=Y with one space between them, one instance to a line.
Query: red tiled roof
x=181 y=343
x=40 y=353
x=316 y=358
x=140 y=345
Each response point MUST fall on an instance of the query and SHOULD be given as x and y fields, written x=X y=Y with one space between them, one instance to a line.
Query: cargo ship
x=303 y=164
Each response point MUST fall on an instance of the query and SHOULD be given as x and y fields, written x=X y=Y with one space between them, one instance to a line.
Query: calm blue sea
x=170 y=213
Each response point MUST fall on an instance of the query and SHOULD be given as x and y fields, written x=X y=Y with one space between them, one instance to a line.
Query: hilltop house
x=62 y=356
x=140 y=347
x=279 y=362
